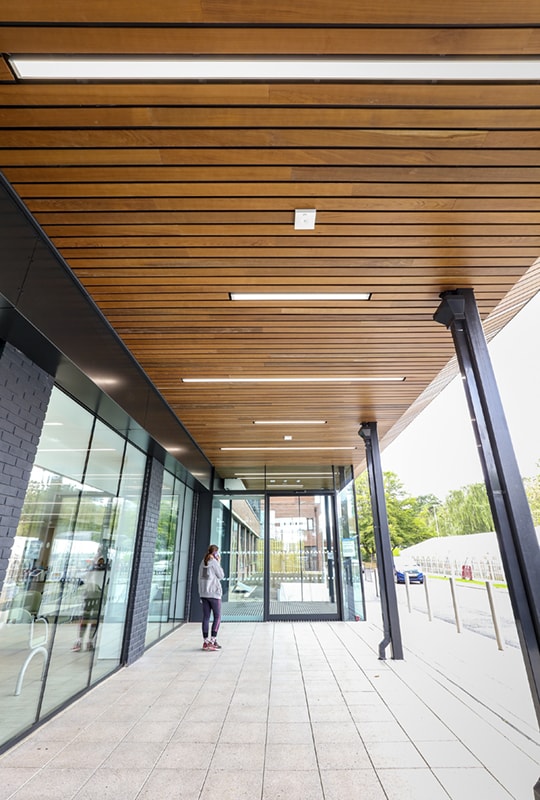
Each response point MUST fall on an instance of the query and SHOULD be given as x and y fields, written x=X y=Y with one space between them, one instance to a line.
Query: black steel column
x=385 y=561
x=511 y=513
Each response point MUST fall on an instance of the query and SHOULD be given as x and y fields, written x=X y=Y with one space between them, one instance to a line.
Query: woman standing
x=210 y=592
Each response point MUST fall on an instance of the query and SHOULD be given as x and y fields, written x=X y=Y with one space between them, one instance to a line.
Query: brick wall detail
x=25 y=390
x=143 y=569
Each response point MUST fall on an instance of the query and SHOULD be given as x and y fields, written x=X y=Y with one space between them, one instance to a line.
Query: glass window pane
x=160 y=590
x=40 y=597
x=124 y=519
x=63 y=446
x=169 y=581
x=178 y=600
x=85 y=557
x=351 y=573
x=238 y=530
x=64 y=599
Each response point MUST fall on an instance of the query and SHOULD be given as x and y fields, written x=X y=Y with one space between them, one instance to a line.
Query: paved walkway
x=293 y=711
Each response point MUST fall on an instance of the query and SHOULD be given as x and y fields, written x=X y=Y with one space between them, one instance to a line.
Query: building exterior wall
x=80 y=515
x=144 y=563
x=25 y=390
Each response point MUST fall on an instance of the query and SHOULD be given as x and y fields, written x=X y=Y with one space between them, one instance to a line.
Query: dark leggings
x=211 y=604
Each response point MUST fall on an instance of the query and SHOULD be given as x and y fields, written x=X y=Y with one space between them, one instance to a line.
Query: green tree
x=532 y=490
x=365 y=518
x=408 y=522
x=466 y=510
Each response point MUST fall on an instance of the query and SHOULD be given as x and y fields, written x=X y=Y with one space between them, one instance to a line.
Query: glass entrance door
x=301 y=578
x=238 y=531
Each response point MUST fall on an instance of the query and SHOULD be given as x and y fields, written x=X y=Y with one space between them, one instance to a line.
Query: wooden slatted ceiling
x=165 y=197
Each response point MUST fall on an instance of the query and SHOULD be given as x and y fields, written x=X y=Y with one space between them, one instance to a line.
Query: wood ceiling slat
x=456 y=203
x=275 y=174
x=86 y=268
x=268 y=94
x=321 y=241
x=272 y=233
x=262 y=117
x=307 y=191
x=168 y=218
x=378 y=250
x=434 y=252
x=392 y=12
x=211 y=305
x=176 y=41
x=124 y=314
x=335 y=138
x=112 y=286
x=218 y=297
x=359 y=157
x=331 y=271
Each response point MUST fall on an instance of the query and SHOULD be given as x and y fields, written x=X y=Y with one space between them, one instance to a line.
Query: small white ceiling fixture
x=304 y=219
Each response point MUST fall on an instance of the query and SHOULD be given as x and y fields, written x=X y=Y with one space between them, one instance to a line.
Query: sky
x=437 y=452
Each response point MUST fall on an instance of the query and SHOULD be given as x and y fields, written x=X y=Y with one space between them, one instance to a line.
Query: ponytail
x=210 y=553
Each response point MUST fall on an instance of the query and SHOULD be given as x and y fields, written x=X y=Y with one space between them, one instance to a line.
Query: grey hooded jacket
x=209 y=578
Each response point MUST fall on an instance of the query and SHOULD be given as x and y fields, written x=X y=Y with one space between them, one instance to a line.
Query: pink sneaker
x=209 y=646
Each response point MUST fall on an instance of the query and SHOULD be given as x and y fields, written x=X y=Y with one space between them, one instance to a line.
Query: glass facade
x=169 y=580
x=63 y=603
x=289 y=556
x=351 y=571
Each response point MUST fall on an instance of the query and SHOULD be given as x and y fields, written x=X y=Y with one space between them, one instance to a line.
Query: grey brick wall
x=144 y=564
x=25 y=390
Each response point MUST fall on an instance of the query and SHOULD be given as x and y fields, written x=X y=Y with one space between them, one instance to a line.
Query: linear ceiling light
x=300 y=295
x=283 y=474
x=289 y=422
x=287 y=448
x=252 y=69
x=314 y=379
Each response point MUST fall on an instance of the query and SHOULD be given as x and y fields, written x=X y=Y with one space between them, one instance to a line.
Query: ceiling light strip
x=311 y=296
x=270 y=475
x=313 y=379
x=289 y=422
x=286 y=448
x=75 y=68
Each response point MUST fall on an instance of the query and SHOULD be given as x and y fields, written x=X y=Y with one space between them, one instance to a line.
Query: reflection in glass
x=169 y=580
x=351 y=573
x=63 y=602
x=181 y=559
x=119 y=547
x=238 y=530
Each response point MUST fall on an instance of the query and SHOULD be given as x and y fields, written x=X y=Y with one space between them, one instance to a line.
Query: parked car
x=412 y=570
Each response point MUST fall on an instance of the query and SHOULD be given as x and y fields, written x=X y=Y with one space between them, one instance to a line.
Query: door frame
x=338 y=615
